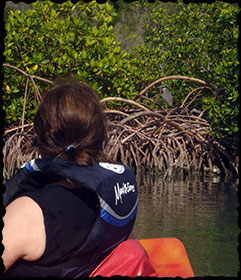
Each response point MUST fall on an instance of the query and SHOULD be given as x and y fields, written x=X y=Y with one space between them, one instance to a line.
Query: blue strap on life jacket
x=114 y=184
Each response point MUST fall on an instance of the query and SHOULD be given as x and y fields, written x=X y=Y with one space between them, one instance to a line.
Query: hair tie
x=70 y=146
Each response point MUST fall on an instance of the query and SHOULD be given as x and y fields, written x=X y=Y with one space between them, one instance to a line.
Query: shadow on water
x=200 y=211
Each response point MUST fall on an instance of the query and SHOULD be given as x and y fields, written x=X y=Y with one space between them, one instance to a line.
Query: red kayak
x=168 y=257
x=157 y=257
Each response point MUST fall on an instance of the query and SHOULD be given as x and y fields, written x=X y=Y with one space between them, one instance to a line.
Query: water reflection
x=200 y=211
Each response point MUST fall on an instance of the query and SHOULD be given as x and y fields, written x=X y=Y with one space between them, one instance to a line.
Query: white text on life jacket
x=125 y=189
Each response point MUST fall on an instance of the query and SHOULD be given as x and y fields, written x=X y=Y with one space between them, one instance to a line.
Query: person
x=67 y=210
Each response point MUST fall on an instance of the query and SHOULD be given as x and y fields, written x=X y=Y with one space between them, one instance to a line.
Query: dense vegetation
x=197 y=40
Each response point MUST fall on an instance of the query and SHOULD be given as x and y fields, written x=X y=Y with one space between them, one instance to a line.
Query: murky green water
x=201 y=212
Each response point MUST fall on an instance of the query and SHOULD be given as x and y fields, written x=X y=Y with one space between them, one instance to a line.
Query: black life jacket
x=116 y=188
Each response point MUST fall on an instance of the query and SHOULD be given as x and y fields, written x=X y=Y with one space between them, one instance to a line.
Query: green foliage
x=196 y=40
x=51 y=40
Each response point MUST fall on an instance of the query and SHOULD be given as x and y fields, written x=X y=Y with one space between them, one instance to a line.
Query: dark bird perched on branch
x=167 y=96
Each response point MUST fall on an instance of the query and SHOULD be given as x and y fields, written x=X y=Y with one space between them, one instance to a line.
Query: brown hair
x=71 y=114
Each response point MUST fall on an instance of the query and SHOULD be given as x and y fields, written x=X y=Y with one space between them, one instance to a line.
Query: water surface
x=200 y=211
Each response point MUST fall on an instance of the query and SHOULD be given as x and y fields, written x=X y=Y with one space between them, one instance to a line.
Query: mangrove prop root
x=139 y=135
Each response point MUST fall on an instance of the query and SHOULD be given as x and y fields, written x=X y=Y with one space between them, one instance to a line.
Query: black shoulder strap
x=70 y=263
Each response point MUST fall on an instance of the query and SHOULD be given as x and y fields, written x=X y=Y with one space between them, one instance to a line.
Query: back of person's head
x=71 y=114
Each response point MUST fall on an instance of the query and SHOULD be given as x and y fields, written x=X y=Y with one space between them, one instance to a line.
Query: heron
x=167 y=96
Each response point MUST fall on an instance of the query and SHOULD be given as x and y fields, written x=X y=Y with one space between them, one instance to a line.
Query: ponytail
x=70 y=123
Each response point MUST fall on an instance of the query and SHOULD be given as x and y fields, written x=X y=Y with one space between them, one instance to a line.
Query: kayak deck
x=168 y=257
x=157 y=257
